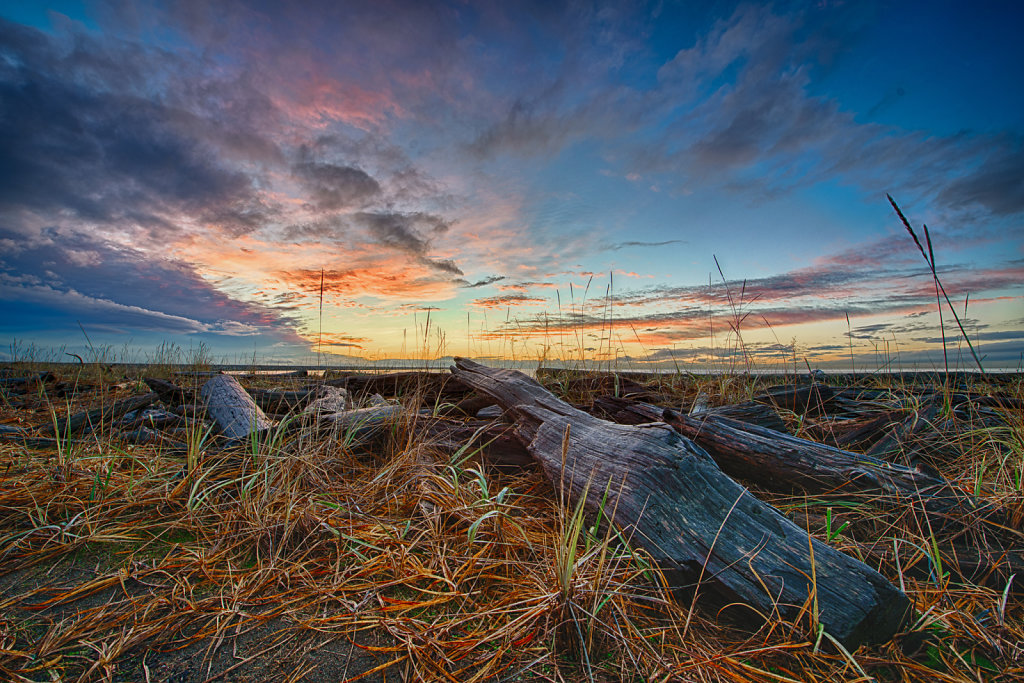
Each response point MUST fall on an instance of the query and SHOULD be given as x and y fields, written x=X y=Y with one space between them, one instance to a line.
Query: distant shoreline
x=531 y=368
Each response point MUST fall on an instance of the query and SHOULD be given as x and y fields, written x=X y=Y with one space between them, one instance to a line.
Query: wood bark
x=359 y=427
x=853 y=432
x=750 y=412
x=434 y=386
x=231 y=407
x=705 y=531
x=283 y=401
x=810 y=398
x=495 y=442
x=170 y=393
x=780 y=460
x=902 y=432
x=80 y=421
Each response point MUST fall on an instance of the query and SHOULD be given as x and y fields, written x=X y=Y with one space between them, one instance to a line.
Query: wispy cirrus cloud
x=616 y=246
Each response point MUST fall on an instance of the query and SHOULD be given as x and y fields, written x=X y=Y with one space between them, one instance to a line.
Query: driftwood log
x=494 y=442
x=706 y=532
x=359 y=427
x=232 y=408
x=238 y=416
x=170 y=393
x=766 y=456
x=913 y=424
x=283 y=401
x=811 y=398
x=94 y=418
x=432 y=386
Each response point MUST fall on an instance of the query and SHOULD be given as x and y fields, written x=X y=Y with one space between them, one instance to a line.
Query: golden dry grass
x=114 y=557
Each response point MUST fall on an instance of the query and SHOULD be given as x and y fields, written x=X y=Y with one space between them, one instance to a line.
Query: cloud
x=507 y=300
x=49 y=303
x=332 y=187
x=489 y=280
x=78 y=138
x=410 y=233
x=827 y=293
x=623 y=245
x=740 y=111
x=171 y=182
x=337 y=340
x=204 y=161
x=396 y=280
x=997 y=184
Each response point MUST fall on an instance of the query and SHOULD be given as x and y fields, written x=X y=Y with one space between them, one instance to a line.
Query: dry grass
x=441 y=569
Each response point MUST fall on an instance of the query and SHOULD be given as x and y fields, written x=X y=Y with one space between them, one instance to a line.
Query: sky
x=692 y=183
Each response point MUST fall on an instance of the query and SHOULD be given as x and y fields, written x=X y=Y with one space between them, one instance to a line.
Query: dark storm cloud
x=445 y=266
x=403 y=231
x=506 y=300
x=75 y=137
x=332 y=187
x=410 y=233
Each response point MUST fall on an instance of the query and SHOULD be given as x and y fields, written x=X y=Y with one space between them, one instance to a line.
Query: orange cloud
x=508 y=300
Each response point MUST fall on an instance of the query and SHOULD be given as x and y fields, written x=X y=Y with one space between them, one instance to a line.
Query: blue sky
x=512 y=179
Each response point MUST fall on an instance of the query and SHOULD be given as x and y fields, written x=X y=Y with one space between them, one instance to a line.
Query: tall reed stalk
x=929 y=258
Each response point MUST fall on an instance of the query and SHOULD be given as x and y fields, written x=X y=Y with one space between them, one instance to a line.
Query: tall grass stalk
x=929 y=258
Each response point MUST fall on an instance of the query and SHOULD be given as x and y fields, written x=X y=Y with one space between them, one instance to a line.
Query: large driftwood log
x=283 y=401
x=771 y=458
x=231 y=407
x=752 y=412
x=705 y=531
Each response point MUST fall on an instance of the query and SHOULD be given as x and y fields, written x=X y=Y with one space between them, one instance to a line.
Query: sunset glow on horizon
x=604 y=181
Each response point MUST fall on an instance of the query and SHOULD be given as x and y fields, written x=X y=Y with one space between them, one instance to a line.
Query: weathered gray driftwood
x=433 y=387
x=705 y=531
x=358 y=427
x=810 y=398
x=904 y=431
x=750 y=412
x=283 y=401
x=169 y=392
x=80 y=421
x=768 y=457
x=231 y=407
x=493 y=441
